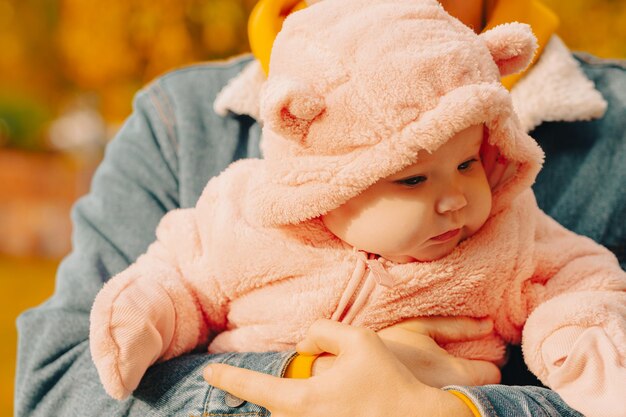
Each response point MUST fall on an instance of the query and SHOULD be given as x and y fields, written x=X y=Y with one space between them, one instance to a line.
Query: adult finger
x=449 y=329
x=265 y=390
x=332 y=337
x=480 y=372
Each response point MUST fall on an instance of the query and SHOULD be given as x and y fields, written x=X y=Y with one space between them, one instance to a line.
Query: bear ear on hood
x=289 y=108
x=512 y=46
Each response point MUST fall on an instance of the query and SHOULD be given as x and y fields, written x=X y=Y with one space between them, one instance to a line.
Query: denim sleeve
x=136 y=183
x=581 y=184
x=515 y=401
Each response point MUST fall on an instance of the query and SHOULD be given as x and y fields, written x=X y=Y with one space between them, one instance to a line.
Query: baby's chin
x=430 y=253
x=430 y=257
x=422 y=257
x=402 y=259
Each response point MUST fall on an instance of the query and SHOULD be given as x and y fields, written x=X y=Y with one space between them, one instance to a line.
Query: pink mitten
x=132 y=325
x=590 y=377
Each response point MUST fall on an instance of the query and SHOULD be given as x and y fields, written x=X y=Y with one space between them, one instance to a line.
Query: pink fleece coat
x=251 y=267
x=213 y=273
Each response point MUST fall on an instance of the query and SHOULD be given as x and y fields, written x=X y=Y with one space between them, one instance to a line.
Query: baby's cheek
x=481 y=208
x=387 y=228
x=373 y=236
x=403 y=226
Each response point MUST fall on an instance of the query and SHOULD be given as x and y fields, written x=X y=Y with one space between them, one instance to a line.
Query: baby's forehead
x=467 y=140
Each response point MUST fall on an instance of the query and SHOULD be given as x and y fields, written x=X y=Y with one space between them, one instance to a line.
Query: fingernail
x=208 y=372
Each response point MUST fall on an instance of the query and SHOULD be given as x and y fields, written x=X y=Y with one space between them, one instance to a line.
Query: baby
x=396 y=184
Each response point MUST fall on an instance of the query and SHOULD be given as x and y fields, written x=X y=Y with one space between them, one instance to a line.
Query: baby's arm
x=149 y=311
x=575 y=337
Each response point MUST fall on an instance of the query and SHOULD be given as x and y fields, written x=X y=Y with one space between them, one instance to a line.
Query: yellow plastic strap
x=466 y=401
x=300 y=367
x=267 y=19
x=265 y=22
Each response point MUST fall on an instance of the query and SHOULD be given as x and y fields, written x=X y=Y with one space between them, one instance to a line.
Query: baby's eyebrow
x=399 y=176
x=476 y=146
x=480 y=139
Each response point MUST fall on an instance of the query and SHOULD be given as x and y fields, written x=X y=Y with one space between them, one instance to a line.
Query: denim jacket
x=162 y=158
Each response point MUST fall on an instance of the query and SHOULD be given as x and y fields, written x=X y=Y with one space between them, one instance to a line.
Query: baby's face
x=422 y=212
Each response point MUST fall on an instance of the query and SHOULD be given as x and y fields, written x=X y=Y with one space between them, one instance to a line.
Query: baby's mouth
x=447 y=235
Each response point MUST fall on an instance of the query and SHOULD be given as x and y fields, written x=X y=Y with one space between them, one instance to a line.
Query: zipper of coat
x=370 y=273
x=352 y=288
x=360 y=299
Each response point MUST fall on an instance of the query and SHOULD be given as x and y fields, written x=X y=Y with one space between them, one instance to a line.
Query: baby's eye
x=413 y=181
x=467 y=164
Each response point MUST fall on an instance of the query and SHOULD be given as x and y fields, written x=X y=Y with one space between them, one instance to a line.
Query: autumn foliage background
x=60 y=55
x=68 y=72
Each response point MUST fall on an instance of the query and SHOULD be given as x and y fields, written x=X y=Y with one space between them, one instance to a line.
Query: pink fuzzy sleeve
x=149 y=311
x=575 y=337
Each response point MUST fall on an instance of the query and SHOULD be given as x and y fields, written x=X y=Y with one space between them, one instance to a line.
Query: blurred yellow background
x=68 y=72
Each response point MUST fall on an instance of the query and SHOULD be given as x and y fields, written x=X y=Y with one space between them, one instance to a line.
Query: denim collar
x=567 y=94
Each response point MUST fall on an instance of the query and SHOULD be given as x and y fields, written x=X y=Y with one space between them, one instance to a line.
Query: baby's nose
x=453 y=200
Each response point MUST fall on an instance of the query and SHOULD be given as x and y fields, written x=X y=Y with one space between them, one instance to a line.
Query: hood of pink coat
x=356 y=88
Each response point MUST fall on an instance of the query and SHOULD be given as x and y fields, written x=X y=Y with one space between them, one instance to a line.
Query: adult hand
x=365 y=380
x=415 y=343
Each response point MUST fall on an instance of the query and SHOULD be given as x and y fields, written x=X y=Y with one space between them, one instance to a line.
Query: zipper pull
x=380 y=274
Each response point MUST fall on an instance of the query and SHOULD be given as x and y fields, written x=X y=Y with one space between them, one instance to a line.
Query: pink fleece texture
x=252 y=266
